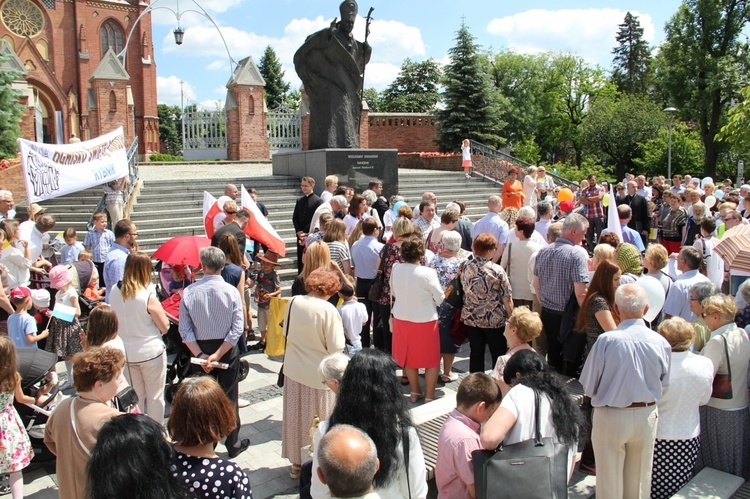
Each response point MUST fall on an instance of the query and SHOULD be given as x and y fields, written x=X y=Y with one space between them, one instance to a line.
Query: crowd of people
x=651 y=319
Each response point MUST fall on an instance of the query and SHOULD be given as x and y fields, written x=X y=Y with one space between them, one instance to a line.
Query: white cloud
x=380 y=74
x=165 y=11
x=589 y=33
x=219 y=65
x=168 y=90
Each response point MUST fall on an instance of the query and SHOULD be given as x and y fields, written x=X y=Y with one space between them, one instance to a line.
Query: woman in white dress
x=529 y=187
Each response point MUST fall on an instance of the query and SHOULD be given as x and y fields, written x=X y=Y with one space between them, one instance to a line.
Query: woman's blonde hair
x=604 y=252
x=657 y=255
x=528 y=324
x=678 y=332
x=720 y=304
x=402 y=227
x=137 y=274
x=316 y=256
x=336 y=231
x=355 y=234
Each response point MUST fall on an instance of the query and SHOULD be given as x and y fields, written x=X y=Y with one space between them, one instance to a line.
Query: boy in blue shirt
x=22 y=326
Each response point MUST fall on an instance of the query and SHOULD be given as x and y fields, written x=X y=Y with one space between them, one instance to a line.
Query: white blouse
x=417 y=293
x=690 y=380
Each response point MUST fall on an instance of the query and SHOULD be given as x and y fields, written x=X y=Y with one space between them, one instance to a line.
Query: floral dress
x=15 y=446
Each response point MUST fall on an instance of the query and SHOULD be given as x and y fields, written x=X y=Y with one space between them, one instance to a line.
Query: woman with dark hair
x=487 y=303
x=515 y=261
x=370 y=398
x=513 y=195
x=357 y=208
x=526 y=373
x=131 y=461
x=142 y=322
x=416 y=342
x=448 y=221
x=313 y=330
x=201 y=416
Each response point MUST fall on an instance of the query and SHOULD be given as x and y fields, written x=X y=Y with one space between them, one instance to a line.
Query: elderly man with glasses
x=544 y=184
x=6 y=205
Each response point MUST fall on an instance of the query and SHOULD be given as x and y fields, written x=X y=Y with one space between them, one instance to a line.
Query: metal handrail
x=494 y=165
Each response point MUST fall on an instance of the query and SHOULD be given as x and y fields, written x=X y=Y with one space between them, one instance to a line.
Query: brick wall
x=246 y=125
x=415 y=160
x=12 y=179
x=407 y=132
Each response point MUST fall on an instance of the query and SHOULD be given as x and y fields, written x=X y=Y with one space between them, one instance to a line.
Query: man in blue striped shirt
x=211 y=323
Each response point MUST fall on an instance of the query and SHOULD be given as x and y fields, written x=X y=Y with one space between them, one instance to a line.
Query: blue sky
x=400 y=29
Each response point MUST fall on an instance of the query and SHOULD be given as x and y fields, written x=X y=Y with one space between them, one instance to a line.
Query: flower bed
x=430 y=161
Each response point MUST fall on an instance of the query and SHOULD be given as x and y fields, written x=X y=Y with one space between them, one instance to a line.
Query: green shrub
x=164 y=157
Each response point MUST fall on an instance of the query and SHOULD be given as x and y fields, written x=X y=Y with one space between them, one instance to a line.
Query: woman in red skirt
x=416 y=340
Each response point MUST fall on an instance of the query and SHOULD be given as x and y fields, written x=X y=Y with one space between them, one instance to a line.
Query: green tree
x=11 y=112
x=687 y=152
x=618 y=126
x=170 y=128
x=415 y=89
x=292 y=99
x=276 y=88
x=374 y=100
x=632 y=57
x=737 y=130
x=704 y=62
x=472 y=106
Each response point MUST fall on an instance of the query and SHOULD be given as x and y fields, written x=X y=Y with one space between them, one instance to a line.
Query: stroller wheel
x=170 y=391
x=244 y=369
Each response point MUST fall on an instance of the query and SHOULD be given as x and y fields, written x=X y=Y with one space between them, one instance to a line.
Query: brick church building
x=72 y=80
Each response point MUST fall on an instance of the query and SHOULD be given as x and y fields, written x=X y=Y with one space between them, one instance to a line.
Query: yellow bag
x=275 y=333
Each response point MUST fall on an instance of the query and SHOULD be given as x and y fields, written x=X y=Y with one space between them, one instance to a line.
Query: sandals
x=447 y=378
x=404 y=380
x=416 y=397
x=261 y=345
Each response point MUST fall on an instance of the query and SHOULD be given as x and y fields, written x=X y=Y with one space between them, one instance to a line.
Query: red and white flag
x=211 y=208
x=259 y=228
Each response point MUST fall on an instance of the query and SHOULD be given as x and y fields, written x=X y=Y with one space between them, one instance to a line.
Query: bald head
x=231 y=191
x=348 y=461
x=494 y=204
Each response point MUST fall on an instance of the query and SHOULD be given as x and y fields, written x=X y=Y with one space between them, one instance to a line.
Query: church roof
x=110 y=68
x=246 y=73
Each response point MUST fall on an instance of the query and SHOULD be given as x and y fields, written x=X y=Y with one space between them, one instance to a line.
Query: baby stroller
x=34 y=366
x=178 y=355
x=82 y=272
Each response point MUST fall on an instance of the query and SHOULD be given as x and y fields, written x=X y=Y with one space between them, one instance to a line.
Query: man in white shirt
x=337 y=203
x=677 y=303
x=331 y=183
x=643 y=189
x=427 y=196
x=365 y=254
x=544 y=209
x=491 y=223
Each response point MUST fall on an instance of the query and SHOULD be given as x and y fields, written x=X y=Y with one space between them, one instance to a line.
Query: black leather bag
x=533 y=469
x=126 y=398
x=454 y=293
x=376 y=288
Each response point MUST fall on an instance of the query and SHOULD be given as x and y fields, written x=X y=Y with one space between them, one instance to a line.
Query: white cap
x=40 y=298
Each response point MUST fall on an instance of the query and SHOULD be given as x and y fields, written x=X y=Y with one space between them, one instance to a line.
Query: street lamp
x=179 y=32
x=671 y=111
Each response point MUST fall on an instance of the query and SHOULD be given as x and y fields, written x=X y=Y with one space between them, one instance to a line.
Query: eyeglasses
x=230 y=212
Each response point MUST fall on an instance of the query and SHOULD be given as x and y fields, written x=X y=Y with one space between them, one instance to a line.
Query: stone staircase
x=167 y=208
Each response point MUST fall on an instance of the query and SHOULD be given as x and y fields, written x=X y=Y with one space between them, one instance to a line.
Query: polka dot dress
x=212 y=477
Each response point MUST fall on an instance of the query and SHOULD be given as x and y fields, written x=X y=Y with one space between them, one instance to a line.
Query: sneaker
x=242 y=402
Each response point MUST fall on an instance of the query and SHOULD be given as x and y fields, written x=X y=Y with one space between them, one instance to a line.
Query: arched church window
x=112 y=102
x=111 y=37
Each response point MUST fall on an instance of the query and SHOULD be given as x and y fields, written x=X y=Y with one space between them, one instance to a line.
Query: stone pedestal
x=354 y=167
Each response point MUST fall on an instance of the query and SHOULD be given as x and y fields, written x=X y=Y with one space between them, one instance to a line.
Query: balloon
x=605 y=200
x=710 y=202
x=656 y=296
x=719 y=194
x=565 y=195
x=705 y=181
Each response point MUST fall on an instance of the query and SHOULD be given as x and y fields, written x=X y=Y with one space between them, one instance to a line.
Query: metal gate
x=284 y=129
x=204 y=133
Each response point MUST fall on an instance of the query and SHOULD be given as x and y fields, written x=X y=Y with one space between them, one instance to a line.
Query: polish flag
x=211 y=208
x=258 y=228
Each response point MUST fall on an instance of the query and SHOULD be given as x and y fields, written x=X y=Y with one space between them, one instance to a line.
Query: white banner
x=51 y=170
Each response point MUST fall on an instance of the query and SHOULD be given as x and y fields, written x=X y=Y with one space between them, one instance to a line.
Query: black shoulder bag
x=532 y=469
x=376 y=288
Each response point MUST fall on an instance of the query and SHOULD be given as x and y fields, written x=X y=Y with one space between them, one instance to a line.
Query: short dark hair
x=201 y=413
x=425 y=204
x=708 y=224
x=96 y=364
x=475 y=388
x=99 y=215
x=368 y=226
x=526 y=225
x=122 y=228
x=449 y=216
x=242 y=214
x=412 y=249
x=45 y=222
x=692 y=257
x=610 y=238
x=102 y=326
x=374 y=183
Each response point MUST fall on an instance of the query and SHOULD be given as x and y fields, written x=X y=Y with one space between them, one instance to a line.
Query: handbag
x=722 y=386
x=280 y=380
x=532 y=469
x=376 y=288
x=454 y=293
x=126 y=398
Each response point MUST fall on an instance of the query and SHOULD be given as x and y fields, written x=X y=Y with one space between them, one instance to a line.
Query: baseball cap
x=567 y=206
x=20 y=292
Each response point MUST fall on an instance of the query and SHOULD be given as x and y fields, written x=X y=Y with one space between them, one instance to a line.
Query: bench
x=711 y=484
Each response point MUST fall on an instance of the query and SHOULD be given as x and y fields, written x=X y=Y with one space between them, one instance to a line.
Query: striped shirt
x=99 y=243
x=558 y=267
x=211 y=309
x=339 y=253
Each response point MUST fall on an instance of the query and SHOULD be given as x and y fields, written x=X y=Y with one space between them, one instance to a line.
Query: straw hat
x=34 y=210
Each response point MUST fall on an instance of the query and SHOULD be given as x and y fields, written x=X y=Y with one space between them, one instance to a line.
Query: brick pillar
x=246 y=123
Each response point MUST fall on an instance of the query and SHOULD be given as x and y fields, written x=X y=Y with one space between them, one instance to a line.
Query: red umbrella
x=182 y=250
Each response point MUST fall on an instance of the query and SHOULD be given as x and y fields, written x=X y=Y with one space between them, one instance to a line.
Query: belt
x=554 y=312
x=633 y=405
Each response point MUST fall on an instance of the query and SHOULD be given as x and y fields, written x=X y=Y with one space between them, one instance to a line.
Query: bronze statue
x=331 y=65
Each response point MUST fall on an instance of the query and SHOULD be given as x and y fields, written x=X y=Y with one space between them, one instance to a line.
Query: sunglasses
x=230 y=212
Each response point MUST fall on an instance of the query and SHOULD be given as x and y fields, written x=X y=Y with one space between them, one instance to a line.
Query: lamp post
x=671 y=111
x=740 y=172
x=179 y=32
